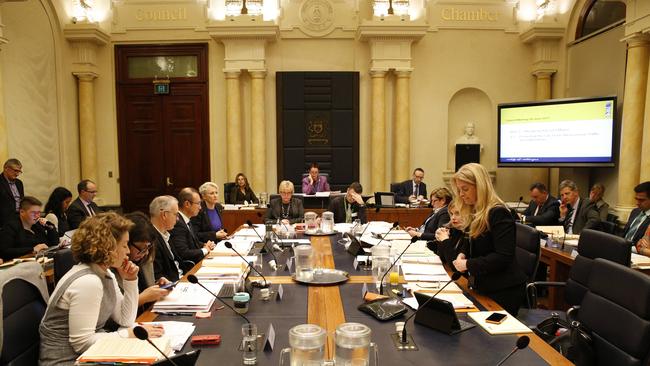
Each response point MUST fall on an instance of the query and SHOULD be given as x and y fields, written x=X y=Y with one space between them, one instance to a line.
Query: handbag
x=384 y=309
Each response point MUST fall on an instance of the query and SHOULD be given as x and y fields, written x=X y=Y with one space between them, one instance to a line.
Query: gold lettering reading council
x=161 y=14
x=454 y=14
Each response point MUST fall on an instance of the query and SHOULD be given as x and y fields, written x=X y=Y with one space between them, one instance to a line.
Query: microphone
x=381 y=282
x=521 y=198
x=192 y=279
x=142 y=334
x=395 y=224
x=455 y=276
x=522 y=342
x=229 y=246
x=273 y=263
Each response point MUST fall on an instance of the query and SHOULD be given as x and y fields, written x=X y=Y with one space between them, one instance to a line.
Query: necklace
x=285 y=213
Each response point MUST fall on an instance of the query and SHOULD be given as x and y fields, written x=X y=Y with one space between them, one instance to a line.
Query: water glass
x=304 y=267
x=263 y=197
x=327 y=222
x=249 y=344
x=380 y=263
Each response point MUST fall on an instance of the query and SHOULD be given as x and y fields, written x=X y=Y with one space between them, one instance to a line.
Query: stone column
x=234 y=132
x=636 y=81
x=258 y=131
x=87 y=125
x=543 y=91
x=4 y=140
x=402 y=129
x=378 y=128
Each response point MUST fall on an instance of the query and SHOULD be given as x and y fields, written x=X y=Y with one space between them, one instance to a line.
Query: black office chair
x=616 y=311
x=24 y=300
x=227 y=188
x=63 y=261
x=394 y=187
x=591 y=245
x=527 y=250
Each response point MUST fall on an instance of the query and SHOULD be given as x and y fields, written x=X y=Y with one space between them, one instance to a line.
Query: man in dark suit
x=349 y=207
x=183 y=240
x=29 y=234
x=412 y=189
x=543 y=209
x=164 y=213
x=576 y=213
x=83 y=206
x=11 y=191
x=639 y=219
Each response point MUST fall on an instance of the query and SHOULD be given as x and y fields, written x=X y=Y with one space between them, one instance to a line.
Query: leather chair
x=24 y=301
x=528 y=250
x=591 y=245
x=227 y=188
x=63 y=261
x=616 y=309
x=394 y=187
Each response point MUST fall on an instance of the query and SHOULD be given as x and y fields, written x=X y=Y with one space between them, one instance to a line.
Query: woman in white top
x=88 y=295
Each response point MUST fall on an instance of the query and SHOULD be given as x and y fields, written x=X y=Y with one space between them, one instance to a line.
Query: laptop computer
x=440 y=315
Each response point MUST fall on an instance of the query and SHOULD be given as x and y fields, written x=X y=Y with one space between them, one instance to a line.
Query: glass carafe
x=263 y=199
x=307 y=343
x=327 y=222
x=354 y=346
x=311 y=224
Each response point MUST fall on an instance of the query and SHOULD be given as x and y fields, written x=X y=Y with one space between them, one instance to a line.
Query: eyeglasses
x=17 y=171
x=197 y=203
x=143 y=250
x=91 y=192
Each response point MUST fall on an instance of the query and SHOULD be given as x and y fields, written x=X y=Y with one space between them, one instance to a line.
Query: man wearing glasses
x=83 y=206
x=28 y=235
x=183 y=240
x=639 y=219
x=11 y=191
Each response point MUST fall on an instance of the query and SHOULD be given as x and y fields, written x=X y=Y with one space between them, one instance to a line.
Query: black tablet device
x=440 y=315
x=183 y=359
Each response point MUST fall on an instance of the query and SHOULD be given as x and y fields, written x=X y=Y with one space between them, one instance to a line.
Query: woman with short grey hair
x=208 y=225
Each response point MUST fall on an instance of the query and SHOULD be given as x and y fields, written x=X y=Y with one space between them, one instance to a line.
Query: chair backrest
x=24 y=300
x=63 y=261
x=528 y=250
x=616 y=309
x=591 y=245
x=394 y=187
x=227 y=188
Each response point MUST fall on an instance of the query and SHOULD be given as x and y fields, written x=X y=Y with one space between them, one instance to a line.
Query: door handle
x=169 y=182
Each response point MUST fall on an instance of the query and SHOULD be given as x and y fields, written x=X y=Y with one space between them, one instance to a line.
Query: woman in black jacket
x=449 y=237
x=208 y=225
x=440 y=199
x=242 y=191
x=488 y=256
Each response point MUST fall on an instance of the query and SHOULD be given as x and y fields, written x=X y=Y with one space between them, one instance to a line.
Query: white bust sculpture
x=469 y=137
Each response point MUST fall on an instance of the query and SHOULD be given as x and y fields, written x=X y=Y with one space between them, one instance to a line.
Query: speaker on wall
x=467 y=153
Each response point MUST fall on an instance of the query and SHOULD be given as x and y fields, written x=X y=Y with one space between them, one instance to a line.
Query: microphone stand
x=381 y=282
x=192 y=278
x=142 y=334
x=229 y=246
x=405 y=343
x=395 y=224
x=268 y=250
x=522 y=342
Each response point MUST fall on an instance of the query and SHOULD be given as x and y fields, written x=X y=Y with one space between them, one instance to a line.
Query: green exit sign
x=161 y=88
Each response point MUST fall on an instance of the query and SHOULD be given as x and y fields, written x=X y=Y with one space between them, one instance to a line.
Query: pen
x=175 y=313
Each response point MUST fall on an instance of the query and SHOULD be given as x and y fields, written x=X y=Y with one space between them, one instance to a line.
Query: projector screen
x=561 y=132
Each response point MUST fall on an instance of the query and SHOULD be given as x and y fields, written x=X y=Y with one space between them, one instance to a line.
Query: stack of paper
x=241 y=245
x=228 y=261
x=260 y=230
x=419 y=248
x=429 y=259
x=188 y=297
x=423 y=269
x=209 y=273
x=120 y=350
x=177 y=332
x=640 y=261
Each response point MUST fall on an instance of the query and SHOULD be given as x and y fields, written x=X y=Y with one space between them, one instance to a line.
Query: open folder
x=125 y=350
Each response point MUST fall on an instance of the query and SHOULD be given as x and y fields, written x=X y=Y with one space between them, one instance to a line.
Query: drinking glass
x=304 y=257
x=380 y=263
x=249 y=344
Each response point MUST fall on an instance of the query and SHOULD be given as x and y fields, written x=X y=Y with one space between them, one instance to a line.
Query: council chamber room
x=325 y=182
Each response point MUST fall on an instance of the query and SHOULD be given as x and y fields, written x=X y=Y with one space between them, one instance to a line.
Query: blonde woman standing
x=489 y=254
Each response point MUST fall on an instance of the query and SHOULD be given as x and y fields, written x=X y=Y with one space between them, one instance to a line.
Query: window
x=599 y=14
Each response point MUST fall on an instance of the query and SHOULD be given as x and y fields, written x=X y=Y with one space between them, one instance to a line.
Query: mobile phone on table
x=496 y=318
x=169 y=286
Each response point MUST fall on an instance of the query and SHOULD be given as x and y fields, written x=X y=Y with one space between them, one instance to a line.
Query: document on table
x=241 y=245
x=419 y=248
x=509 y=326
x=426 y=278
x=423 y=269
x=433 y=287
x=125 y=350
x=429 y=259
x=640 y=261
x=177 y=332
x=188 y=297
x=249 y=232
x=228 y=261
x=396 y=235
x=459 y=301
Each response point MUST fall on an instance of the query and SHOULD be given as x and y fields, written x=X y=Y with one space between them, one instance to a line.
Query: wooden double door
x=163 y=139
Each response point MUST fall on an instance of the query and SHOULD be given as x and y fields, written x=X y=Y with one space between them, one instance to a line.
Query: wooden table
x=326 y=309
x=559 y=264
x=414 y=217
